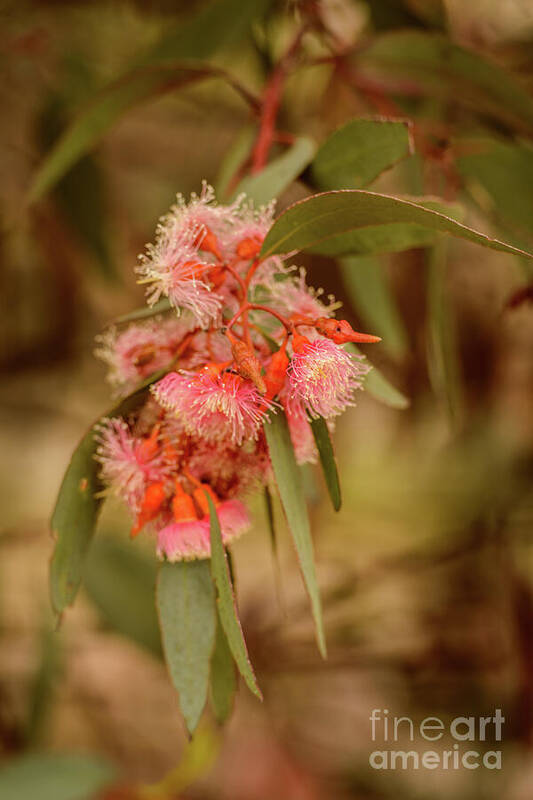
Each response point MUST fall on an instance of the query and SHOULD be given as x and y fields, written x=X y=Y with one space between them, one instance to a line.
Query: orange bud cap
x=340 y=331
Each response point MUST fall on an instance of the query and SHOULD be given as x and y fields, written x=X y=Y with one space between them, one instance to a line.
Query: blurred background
x=427 y=571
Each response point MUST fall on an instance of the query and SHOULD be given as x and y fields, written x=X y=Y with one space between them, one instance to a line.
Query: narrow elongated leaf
x=279 y=174
x=355 y=154
x=371 y=296
x=437 y=65
x=327 y=460
x=233 y=160
x=187 y=615
x=380 y=387
x=77 y=507
x=289 y=483
x=223 y=678
x=442 y=352
x=73 y=522
x=219 y=25
x=504 y=171
x=325 y=222
x=54 y=777
x=145 y=312
x=133 y=88
x=227 y=608
x=120 y=581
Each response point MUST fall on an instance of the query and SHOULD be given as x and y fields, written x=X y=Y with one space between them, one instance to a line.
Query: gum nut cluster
x=244 y=337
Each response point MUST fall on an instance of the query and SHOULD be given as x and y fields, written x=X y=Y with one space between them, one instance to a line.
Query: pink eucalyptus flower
x=141 y=349
x=323 y=377
x=294 y=296
x=216 y=407
x=184 y=541
x=128 y=463
x=302 y=437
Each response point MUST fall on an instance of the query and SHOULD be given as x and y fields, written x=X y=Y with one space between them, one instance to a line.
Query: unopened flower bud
x=152 y=501
x=249 y=248
x=276 y=372
x=340 y=331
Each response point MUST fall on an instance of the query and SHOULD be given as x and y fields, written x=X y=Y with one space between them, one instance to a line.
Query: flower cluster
x=250 y=339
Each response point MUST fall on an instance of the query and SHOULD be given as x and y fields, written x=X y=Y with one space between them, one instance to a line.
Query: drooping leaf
x=436 y=65
x=327 y=460
x=54 y=777
x=442 y=351
x=223 y=678
x=77 y=508
x=121 y=583
x=221 y=24
x=107 y=107
x=233 y=160
x=288 y=479
x=355 y=154
x=187 y=615
x=73 y=522
x=227 y=607
x=41 y=690
x=279 y=174
x=504 y=172
x=335 y=223
x=145 y=312
x=371 y=296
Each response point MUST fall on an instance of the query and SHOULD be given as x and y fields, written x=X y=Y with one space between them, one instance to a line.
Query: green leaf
x=54 y=777
x=223 y=678
x=371 y=296
x=327 y=459
x=77 y=507
x=121 y=582
x=227 y=608
x=279 y=174
x=504 y=173
x=108 y=106
x=440 y=67
x=73 y=522
x=187 y=615
x=41 y=689
x=219 y=25
x=443 y=360
x=355 y=154
x=145 y=312
x=288 y=479
x=233 y=160
x=328 y=222
x=377 y=385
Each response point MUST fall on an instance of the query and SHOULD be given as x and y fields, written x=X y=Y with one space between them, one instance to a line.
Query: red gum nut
x=199 y=495
x=275 y=374
x=152 y=501
x=340 y=331
x=248 y=248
